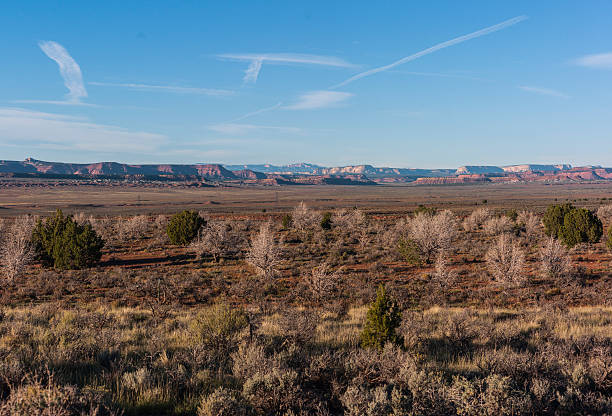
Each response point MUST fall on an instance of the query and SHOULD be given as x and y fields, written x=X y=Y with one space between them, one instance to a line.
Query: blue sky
x=282 y=82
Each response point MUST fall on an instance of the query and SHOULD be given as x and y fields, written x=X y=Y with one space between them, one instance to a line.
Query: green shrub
x=493 y=395
x=272 y=392
x=64 y=244
x=512 y=214
x=409 y=251
x=184 y=226
x=326 y=221
x=382 y=320
x=609 y=240
x=287 y=221
x=223 y=402
x=215 y=330
x=580 y=226
x=554 y=217
x=422 y=209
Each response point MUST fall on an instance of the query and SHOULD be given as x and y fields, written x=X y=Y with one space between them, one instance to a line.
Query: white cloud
x=233 y=128
x=69 y=69
x=319 y=99
x=166 y=88
x=256 y=61
x=599 y=61
x=544 y=91
x=434 y=48
x=33 y=129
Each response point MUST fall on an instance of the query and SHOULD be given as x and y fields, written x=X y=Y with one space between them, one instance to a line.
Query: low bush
x=409 y=251
x=287 y=221
x=554 y=217
x=326 y=221
x=383 y=318
x=580 y=226
x=506 y=261
x=51 y=399
x=64 y=244
x=224 y=402
x=183 y=227
x=215 y=331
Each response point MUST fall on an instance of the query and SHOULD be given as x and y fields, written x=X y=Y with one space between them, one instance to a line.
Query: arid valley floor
x=203 y=329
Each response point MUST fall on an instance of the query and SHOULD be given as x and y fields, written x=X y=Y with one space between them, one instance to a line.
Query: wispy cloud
x=69 y=69
x=55 y=102
x=261 y=110
x=544 y=91
x=599 y=61
x=166 y=88
x=235 y=128
x=439 y=75
x=256 y=61
x=252 y=72
x=319 y=99
x=434 y=48
x=34 y=129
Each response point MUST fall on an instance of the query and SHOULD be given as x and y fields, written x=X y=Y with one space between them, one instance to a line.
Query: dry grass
x=146 y=367
x=141 y=330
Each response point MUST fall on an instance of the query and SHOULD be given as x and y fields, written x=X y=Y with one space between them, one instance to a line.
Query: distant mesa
x=306 y=173
x=479 y=170
x=30 y=165
x=249 y=174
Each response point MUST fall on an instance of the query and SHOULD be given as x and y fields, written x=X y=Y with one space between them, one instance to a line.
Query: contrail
x=261 y=110
x=435 y=48
x=69 y=69
x=257 y=60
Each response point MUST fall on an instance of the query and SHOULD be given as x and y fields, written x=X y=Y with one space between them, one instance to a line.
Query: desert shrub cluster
x=327 y=313
x=223 y=359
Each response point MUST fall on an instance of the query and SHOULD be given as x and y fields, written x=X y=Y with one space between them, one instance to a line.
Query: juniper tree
x=383 y=318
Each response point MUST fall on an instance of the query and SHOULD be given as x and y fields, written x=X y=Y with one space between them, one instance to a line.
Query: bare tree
x=160 y=236
x=476 y=219
x=364 y=237
x=388 y=237
x=132 y=228
x=498 y=225
x=304 y=218
x=321 y=282
x=443 y=275
x=16 y=249
x=531 y=223
x=105 y=228
x=505 y=261
x=3 y=227
x=264 y=253
x=433 y=233
x=219 y=239
x=81 y=218
x=554 y=259
x=349 y=220
x=604 y=213
x=159 y=293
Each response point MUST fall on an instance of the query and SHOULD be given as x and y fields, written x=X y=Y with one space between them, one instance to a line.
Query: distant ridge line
x=221 y=171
